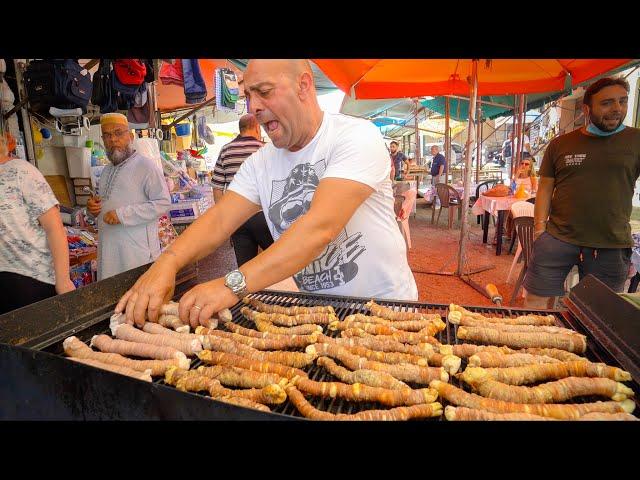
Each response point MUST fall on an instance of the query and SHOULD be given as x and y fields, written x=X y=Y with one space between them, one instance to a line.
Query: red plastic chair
x=449 y=199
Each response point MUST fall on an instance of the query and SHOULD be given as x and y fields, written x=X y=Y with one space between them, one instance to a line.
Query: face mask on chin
x=591 y=128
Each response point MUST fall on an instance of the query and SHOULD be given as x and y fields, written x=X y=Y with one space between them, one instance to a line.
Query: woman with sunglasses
x=526 y=175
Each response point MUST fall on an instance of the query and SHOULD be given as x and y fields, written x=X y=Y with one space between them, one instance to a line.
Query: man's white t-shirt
x=369 y=257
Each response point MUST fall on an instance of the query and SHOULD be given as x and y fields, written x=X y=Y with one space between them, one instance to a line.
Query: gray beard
x=118 y=155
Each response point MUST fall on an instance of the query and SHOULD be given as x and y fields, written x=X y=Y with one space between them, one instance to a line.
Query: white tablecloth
x=494 y=204
x=429 y=192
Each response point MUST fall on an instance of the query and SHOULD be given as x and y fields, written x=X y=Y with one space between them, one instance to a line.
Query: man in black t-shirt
x=397 y=159
x=584 y=198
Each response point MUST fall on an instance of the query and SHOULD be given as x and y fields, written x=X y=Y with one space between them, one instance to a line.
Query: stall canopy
x=323 y=84
x=459 y=108
x=171 y=97
x=392 y=78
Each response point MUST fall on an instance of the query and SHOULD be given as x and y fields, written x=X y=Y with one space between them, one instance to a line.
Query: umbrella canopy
x=392 y=78
x=459 y=108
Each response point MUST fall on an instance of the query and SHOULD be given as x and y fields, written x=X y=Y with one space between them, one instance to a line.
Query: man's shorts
x=553 y=259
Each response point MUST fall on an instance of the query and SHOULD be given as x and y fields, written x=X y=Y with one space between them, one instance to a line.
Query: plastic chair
x=524 y=229
x=449 y=199
x=573 y=278
x=482 y=187
x=518 y=209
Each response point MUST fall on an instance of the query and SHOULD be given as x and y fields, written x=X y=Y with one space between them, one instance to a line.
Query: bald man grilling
x=323 y=185
x=133 y=195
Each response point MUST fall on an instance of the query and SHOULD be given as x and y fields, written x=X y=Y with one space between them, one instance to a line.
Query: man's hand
x=203 y=301
x=94 y=205
x=111 y=218
x=154 y=288
x=64 y=286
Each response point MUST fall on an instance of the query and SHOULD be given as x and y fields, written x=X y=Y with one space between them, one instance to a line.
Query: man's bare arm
x=204 y=236
x=543 y=204
x=334 y=203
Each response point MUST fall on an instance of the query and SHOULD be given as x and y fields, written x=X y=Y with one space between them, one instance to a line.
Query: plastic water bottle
x=513 y=186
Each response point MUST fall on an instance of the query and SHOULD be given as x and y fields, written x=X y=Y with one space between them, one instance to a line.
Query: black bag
x=150 y=76
x=57 y=83
x=103 y=94
x=125 y=94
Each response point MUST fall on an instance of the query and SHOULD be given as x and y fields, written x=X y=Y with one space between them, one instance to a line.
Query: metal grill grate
x=345 y=306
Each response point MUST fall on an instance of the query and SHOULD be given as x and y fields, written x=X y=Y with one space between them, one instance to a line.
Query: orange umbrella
x=396 y=78
x=393 y=78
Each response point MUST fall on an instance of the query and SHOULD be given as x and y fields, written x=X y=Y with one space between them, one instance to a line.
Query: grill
x=603 y=346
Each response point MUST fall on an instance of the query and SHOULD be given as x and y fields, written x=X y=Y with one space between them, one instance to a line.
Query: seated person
x=526 y=175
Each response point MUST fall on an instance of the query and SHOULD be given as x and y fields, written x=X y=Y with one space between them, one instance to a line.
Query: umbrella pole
x=481 y=138
x=523 y=124
x=478 y=140
x=467 y=170
x=513 y=135
x=520 y=132
x=447 y=140
x=418 y=152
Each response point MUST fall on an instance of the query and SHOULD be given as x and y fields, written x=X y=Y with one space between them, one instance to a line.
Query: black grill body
x=37 y=382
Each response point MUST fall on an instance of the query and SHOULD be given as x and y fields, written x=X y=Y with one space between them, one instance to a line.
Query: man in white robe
x=133 y=195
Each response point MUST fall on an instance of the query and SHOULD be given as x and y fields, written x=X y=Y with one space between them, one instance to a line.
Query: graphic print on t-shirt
x=335 y=267
x=291 y=198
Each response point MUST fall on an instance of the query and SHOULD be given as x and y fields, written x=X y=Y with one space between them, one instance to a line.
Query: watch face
x=234 y=278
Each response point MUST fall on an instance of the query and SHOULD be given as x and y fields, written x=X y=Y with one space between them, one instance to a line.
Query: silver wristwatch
x=236 y=282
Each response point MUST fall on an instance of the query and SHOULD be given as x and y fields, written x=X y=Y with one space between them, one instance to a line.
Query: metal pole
x=467 y=171
x=513 y=135
x=521 y=131
x=26 y=117
x=418 y=152
x=152 y=95
x=447 y=140
x=478 y=141
x=192 y=111
x=481 y=137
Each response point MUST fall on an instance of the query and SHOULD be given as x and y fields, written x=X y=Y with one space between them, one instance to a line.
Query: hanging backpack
x=125 y=95
x=130 y=71
x=103 y=94
x=57 y=83
x=150 y=76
